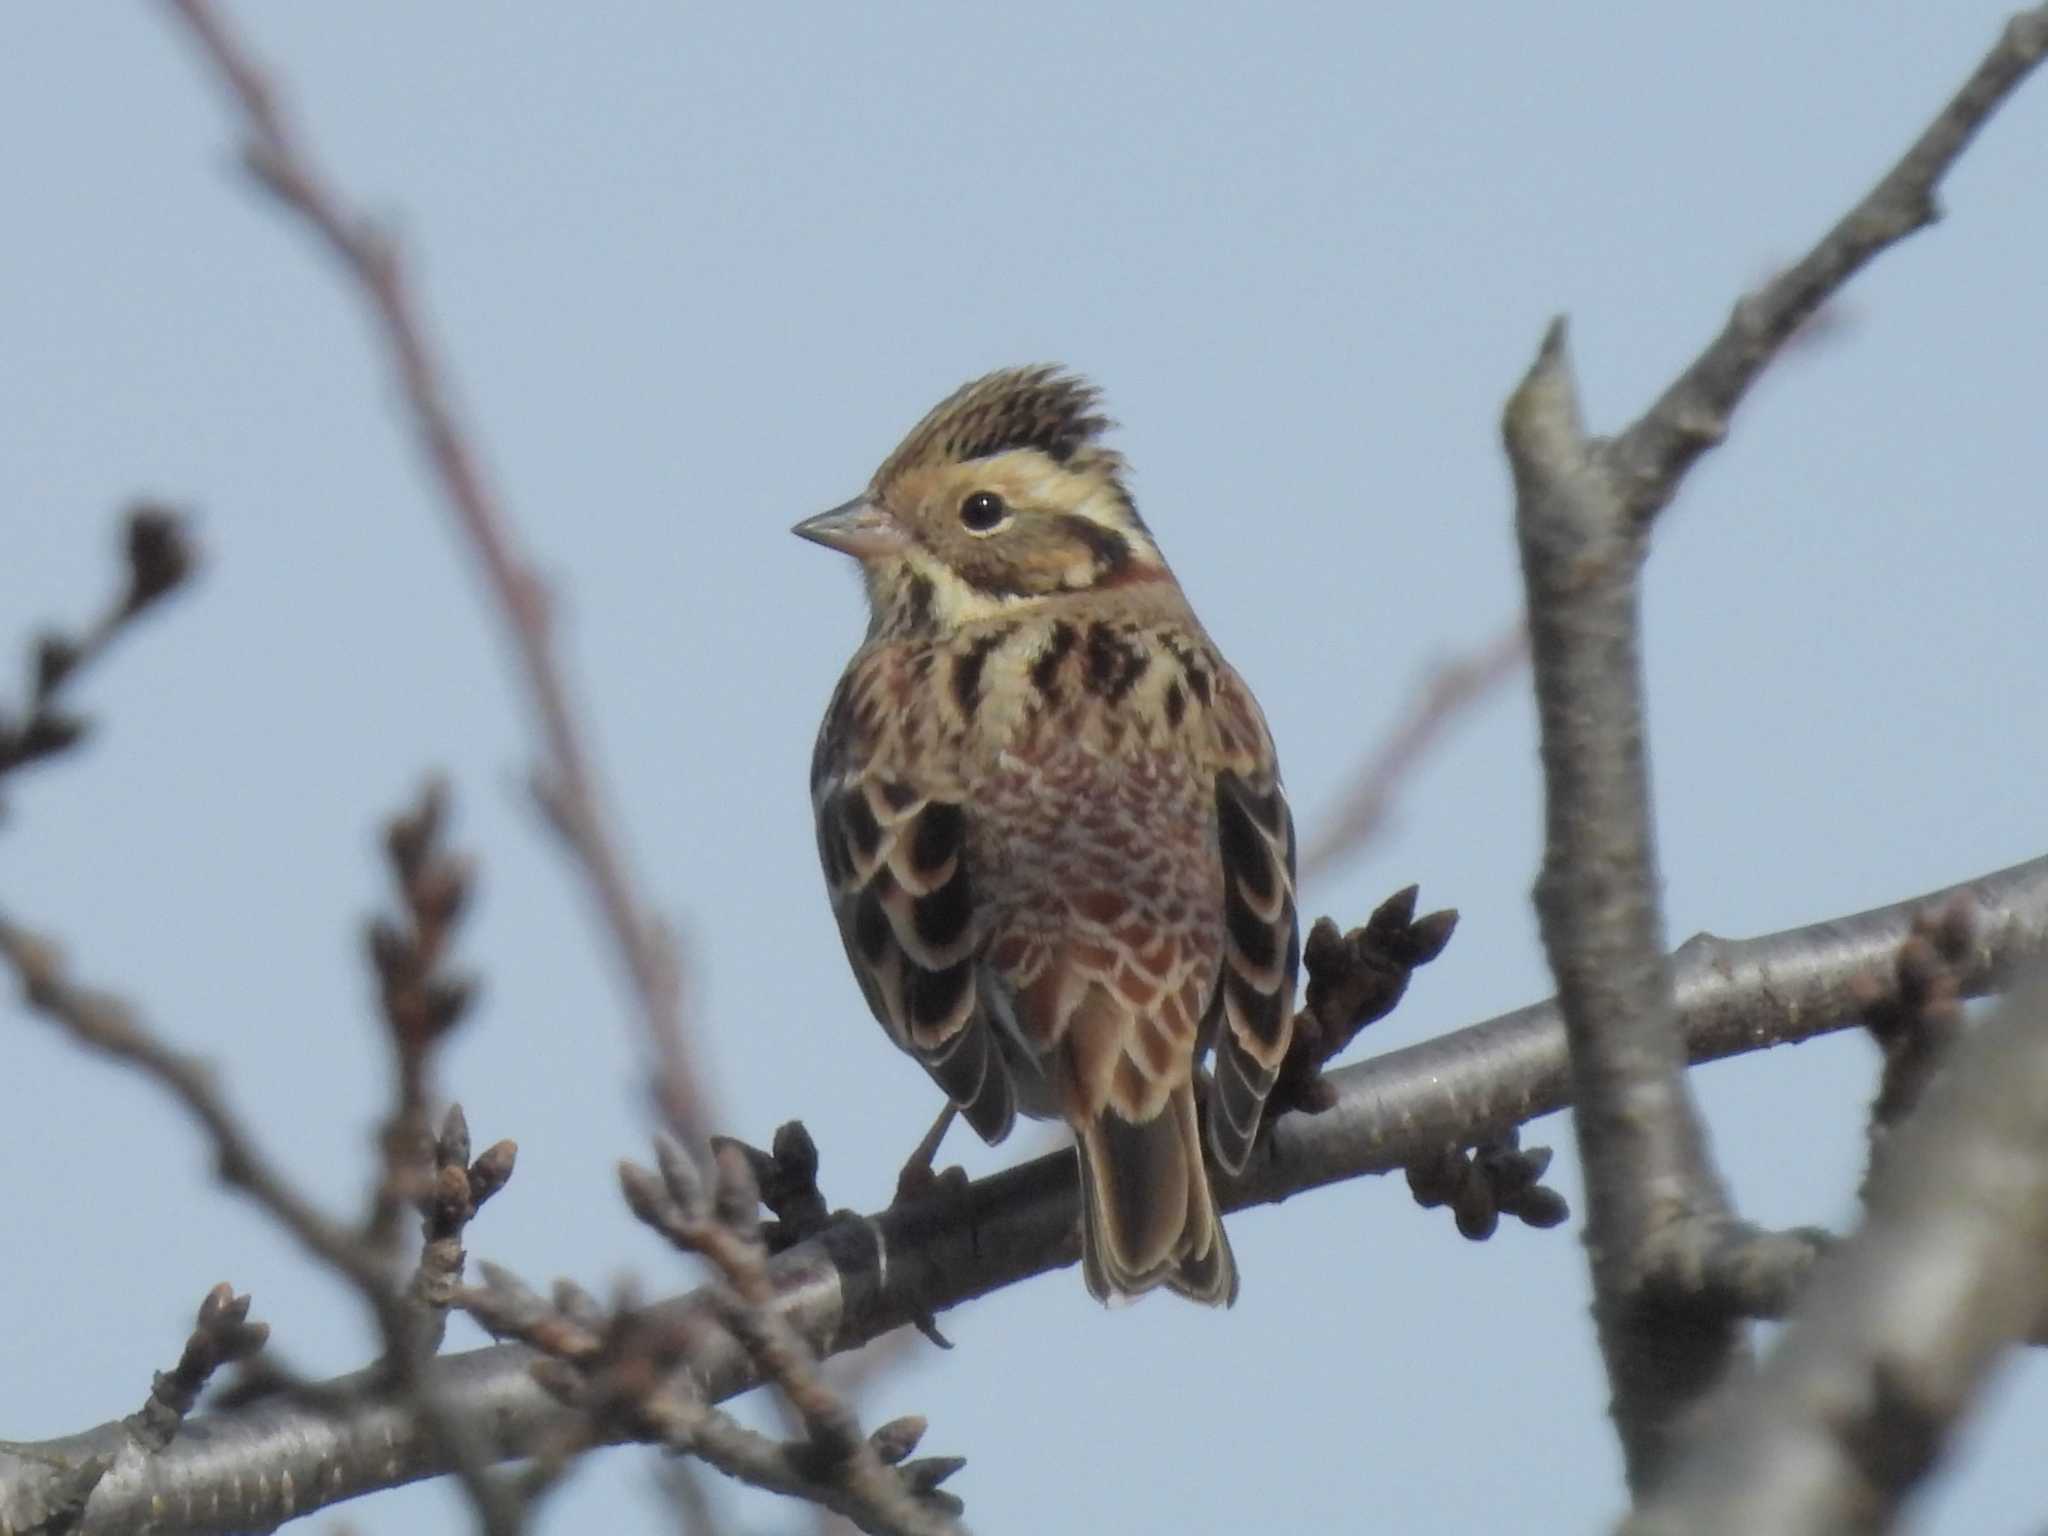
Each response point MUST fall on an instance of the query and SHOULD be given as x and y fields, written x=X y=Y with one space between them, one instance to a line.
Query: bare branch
x=1640 y=1137
x=565 y=778
x=862 y=1278
x=105 y=1023
x=1691 y=416
x=1900 y=1327
x=622 y=1376
x=1583 y=511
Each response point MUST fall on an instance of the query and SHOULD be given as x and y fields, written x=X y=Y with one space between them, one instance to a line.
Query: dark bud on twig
x=1353 y=979
x=787 y=1178
x=411 y=836
x=55 y=657
x=222 y=1335
x=45 y=735
x=1494 y=1179
x=390 y=952
x=160 y=555
x=448 y=998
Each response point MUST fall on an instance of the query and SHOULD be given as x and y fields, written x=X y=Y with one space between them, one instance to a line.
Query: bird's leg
x=918 y=1179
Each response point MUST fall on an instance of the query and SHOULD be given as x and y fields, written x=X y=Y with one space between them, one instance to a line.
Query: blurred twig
x=157 y=557
x=1447 y=691
x=564 y=780
x=620 y=1371
x=105 y=1023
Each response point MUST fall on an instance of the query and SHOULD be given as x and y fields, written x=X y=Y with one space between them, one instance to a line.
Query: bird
x=1051 y=821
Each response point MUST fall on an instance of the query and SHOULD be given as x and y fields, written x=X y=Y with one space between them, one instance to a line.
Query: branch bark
x=1904 y=1322
x=1656 y=1209
x=864 y=1277
x=1649 y=1178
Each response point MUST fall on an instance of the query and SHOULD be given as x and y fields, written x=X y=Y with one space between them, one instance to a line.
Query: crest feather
x=1041 y=406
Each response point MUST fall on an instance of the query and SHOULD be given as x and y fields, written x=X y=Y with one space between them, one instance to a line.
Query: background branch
x=565 y=779
x=1691 y=416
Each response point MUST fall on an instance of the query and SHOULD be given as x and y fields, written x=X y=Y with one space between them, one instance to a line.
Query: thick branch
x=1900 y=1328
x=860 y=1280
x=1640 y=1136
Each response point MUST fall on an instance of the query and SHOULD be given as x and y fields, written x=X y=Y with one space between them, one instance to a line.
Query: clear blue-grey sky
x=697 y=268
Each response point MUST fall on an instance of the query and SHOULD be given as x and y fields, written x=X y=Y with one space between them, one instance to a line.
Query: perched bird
x=1051 y=820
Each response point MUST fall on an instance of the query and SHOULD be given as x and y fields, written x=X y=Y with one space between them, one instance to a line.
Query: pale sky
x=696 y=270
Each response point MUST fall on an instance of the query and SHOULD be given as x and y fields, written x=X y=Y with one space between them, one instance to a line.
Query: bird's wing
x=896 y=865
x=1253 y=1006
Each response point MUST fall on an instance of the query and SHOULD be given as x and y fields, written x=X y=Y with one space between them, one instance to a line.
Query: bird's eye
x=983 y=512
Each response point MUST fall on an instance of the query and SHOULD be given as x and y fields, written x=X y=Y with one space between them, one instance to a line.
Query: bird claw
x=919 y=1180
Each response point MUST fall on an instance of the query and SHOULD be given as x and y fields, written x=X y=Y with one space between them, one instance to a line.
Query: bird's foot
x=919 y=1180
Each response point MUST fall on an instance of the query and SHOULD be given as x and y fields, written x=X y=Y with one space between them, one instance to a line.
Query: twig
x=459 y=1190
x=420 y=999
x=1691 y=416
x=1902 y=1325
x=105 y=1023
x=565 y=779
x=863 y=1278
x=1448 y=691
x=158 y=557
x=835 y=1465
x=221 y=1335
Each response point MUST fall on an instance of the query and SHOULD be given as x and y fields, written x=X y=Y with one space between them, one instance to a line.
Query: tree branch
x=1641 y=1141
x=1900 y=1327
x=865 y=1277
x=1691 y=416
x=564 y=779
x=1656 y=1210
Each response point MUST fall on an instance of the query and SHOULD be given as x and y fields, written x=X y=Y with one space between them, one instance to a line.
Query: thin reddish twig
x=564 y=779
x=1447 y=690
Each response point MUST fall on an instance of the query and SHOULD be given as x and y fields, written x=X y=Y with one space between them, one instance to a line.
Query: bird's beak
x=859 y=528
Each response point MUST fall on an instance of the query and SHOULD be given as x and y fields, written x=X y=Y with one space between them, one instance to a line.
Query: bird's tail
x=1148 y=1216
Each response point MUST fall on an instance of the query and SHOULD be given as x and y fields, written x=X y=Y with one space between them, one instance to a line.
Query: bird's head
x=1002 y=497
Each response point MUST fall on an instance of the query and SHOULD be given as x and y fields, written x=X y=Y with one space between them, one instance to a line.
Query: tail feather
x=1148 y=1215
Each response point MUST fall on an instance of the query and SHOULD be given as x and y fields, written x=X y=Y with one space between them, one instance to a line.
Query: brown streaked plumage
x=1051 y=820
